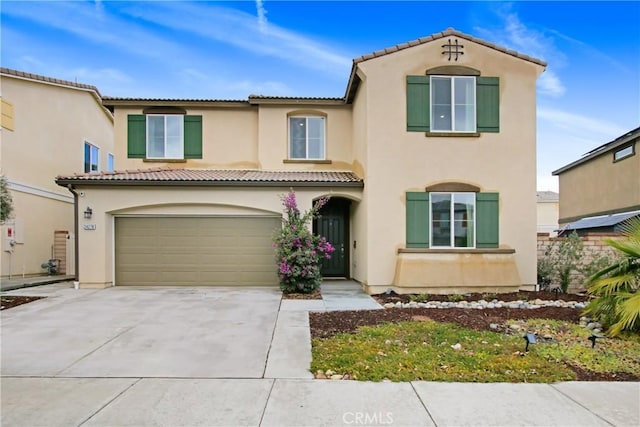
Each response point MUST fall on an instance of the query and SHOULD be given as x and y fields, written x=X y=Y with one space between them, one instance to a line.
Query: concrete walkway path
x=231 y=357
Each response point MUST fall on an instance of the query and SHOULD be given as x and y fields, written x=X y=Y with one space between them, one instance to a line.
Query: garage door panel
x=195 y=251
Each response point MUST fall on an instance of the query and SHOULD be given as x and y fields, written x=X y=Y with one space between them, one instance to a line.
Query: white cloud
x=527 y=40
x=107 y=75
x=95 y=24
x=230 y=88
x=262 y=16
x=550 y=84
x=242 y=30
x=579 y=126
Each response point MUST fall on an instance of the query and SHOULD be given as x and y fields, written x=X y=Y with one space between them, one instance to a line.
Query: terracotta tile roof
x=109 y=99
x=253 y=99
x=547 y=196
x=447 y=33
x=45 y=79
x=264 y=99
x=168 y=176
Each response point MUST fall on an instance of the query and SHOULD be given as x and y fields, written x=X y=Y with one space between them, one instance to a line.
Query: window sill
x=164 y=160
x=318 y=162
x=455 y=251
x=452 y=134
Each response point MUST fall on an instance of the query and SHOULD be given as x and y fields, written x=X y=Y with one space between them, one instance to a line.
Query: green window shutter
x=418 y=99
x=487 y=224
x=192 y=137
x=417 y=220
x=488 y=104
x=136 y=136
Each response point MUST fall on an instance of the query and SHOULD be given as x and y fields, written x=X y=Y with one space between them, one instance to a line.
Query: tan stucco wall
x=273 y=136
x=453 y=272
x=547 y=214
x=39 y=217
x=228 y=140
x=51 y=124
x=399 y=161
x=360 y=212
x=252 y=137
x=599 y=186
x=96 y=246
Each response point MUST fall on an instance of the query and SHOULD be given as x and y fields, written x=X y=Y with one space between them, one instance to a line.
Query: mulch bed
x=295 y=295
x=9 y=301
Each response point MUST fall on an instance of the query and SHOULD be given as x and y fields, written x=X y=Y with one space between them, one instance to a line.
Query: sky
x=588 y=95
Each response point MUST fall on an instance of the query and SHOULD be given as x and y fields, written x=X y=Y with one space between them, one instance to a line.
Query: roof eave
x=257 y=100
x=600 y=151
x=135 y=102
x=63 y=182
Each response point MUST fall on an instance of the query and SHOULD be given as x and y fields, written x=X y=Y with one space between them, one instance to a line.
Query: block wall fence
x=594 y=248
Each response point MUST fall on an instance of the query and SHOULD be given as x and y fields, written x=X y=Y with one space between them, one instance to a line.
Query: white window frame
x=111 y=162
x=622 y=153
x=324 y=137
x=453 y=79
x=165 y=136
x=91 y=159
x=452 y=221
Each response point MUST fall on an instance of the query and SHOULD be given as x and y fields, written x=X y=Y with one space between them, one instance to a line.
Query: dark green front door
x=333 y=223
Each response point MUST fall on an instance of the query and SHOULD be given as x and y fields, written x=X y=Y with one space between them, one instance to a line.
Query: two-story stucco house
x=49 y=126
x=601 y=190
x=429 y=159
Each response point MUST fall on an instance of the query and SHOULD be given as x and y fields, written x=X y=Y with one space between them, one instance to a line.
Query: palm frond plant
x=616 y=288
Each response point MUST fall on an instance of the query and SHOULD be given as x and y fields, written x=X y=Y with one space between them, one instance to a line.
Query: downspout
x=76 y=231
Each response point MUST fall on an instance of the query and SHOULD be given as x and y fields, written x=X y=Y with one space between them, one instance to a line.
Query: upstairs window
x=453 y=104
x=623 y=153
x=110 y=162
x=164 y=136
x=91 y=158
x=307 y=138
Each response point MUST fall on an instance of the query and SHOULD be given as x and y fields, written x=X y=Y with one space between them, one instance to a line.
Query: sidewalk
x=7 y=284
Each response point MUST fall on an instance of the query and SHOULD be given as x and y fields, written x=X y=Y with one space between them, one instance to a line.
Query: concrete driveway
x=141 y=332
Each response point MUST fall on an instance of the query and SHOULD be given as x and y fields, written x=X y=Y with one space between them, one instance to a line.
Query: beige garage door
x=221 y=251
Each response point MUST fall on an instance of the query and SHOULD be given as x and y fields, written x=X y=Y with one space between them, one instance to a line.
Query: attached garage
x=195 y=251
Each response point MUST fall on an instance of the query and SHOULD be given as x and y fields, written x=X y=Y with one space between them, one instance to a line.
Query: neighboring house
x=601 y=189
x=429 y=160
x=547 y=212
x=49 y=126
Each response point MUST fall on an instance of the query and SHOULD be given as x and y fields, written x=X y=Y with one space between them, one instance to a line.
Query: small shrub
x=6 y=202
x=419 y=298
x=561 y=259
x=489 y=297
x=455 y=298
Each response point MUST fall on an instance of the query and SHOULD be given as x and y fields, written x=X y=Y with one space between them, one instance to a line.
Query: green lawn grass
x=429 y=351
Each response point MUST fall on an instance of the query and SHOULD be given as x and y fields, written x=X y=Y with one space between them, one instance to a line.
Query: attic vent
x=453 y=50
